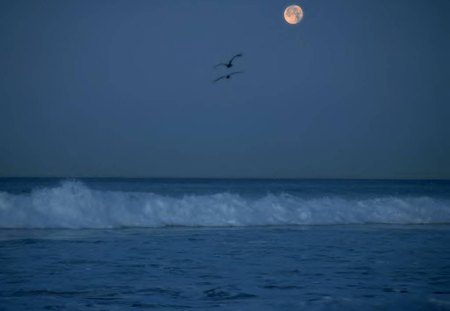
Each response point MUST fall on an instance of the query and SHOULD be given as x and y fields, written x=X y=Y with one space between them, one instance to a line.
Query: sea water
x=118 y=244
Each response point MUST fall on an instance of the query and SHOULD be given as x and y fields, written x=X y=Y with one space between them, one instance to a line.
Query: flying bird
x=228 y=76
x=230 y=63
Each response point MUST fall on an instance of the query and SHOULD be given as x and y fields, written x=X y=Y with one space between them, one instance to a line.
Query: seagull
x=228 y=76
x=230 y=63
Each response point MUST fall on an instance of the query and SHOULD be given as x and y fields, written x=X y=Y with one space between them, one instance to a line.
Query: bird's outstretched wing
x=228 y=76
x=235 y=56
x=229 y=64
x=220 y=78
x=221 y=64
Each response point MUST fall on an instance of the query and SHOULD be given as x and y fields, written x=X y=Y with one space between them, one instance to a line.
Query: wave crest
x=74 y=205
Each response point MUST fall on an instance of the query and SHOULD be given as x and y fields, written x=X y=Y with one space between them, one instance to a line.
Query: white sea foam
x=74 y=205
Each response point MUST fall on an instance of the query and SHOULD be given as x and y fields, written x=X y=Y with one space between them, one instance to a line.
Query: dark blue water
x=310 y=188
x=227 y=245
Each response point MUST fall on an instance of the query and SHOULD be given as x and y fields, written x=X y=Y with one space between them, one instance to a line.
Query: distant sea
x=169 y=244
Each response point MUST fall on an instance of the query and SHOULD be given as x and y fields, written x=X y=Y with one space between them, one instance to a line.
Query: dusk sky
x=358 y=89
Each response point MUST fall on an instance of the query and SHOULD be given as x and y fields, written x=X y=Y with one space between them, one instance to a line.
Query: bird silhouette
x=230 y=63
x=228 y=76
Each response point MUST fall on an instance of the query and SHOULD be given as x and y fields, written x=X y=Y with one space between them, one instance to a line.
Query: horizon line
x=227 y=178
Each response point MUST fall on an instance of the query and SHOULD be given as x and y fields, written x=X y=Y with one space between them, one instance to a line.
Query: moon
x=293 y=14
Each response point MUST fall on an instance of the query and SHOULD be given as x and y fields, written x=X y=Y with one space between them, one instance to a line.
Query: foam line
x=74 y=205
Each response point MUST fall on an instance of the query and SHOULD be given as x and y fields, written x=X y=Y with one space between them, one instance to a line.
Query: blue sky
x=358 y=89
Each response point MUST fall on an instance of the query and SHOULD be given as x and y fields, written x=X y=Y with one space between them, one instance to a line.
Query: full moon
x=293 y=14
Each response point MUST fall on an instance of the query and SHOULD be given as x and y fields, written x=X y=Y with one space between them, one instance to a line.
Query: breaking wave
x=74 y=205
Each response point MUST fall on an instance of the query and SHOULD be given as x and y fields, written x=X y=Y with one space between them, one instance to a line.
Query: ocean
x=170 y=244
